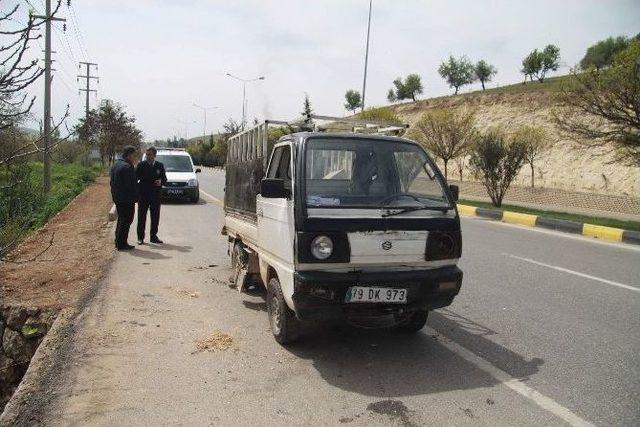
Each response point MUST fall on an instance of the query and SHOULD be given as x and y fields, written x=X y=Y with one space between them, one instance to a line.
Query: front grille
x=176 y=184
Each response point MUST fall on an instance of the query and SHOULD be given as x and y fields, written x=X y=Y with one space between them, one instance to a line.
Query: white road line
x=580 y=237
x=214 y=199
x=514 y=384
x=576 y=273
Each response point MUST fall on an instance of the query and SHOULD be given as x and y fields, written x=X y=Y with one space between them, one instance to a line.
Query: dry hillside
x=563 y=166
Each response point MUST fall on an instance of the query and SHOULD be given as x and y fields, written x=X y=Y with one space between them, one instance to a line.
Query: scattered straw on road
x=217 y=341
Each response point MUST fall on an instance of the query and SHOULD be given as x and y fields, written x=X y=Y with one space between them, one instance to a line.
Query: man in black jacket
x=152 y=177
x=124 y=193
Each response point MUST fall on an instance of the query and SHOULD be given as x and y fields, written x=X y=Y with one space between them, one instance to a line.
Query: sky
x=159 y=57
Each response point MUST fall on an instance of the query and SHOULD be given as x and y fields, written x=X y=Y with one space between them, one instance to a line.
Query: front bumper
x=180 y=192
x=320 y=295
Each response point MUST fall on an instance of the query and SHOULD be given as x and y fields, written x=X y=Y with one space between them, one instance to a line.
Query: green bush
x=23 y=204
x=382 y=114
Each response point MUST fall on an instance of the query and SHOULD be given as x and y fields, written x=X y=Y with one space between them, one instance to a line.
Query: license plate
x=376 y=295
x=172 y=191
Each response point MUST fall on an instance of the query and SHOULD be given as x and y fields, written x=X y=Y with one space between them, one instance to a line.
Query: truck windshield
x=175 y=163
x=351 y=173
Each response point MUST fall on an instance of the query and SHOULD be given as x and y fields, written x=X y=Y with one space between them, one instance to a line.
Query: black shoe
x=155 y=239
x=125 y=247
x=141 y=241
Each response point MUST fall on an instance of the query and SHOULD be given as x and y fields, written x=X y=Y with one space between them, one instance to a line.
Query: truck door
x=275 y=216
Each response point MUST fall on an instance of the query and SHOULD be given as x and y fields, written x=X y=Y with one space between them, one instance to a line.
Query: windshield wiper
x=415 y=208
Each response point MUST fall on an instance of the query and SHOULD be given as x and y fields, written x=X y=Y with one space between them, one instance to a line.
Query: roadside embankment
x=22 y=329
x=48 y=274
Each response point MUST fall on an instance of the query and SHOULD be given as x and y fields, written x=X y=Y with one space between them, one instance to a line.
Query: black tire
x=414 y=322
x=284 y=324
x=195 y=199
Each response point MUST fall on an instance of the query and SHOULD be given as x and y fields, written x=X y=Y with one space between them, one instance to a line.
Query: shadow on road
x=170 y=247
x=140 y=253
x=388 y=363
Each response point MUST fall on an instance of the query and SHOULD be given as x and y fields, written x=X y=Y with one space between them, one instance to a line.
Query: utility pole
x=88 y=89
x=186 y=124
x=204 y=111
x=366 y=57
x=47 y=94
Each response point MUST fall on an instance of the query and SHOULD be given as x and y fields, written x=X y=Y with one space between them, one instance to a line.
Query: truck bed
x=243 y=226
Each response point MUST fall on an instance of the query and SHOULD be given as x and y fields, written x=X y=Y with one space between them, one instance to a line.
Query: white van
x=182 y=182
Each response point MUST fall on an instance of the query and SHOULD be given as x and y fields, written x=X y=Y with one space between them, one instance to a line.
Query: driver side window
x=280 y=166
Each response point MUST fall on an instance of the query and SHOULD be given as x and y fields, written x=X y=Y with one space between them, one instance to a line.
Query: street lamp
x=366 y=57
x=244 y=87
x=186 y=124
x=204 y=110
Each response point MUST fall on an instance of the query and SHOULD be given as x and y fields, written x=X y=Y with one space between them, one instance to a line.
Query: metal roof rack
x=252 y=143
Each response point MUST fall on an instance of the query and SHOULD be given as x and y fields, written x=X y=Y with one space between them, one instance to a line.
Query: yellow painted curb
x=602 y=232
x=467 y=210
x=519 y=218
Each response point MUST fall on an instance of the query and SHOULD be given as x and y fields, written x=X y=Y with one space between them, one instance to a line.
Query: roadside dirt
x=55 y=266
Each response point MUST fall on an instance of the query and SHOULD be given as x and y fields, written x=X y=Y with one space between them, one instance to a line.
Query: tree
x=353 y=100
x=535 y=141
x=484 y=72
x=445 y=134
x=457 y=72
x=539 y=63
x=111 y=129
x=498 y=161
x=307 y=111
x=391 y=96
x=603 y=108
x=601 y=54
x=407 y=89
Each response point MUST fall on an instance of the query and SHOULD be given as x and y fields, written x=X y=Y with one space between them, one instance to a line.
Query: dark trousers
x=152 y=205
x=126 y=212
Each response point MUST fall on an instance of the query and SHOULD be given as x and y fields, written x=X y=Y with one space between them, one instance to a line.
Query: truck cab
x=358 y=227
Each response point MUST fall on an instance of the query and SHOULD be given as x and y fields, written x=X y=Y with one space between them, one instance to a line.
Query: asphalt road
x=544 y=332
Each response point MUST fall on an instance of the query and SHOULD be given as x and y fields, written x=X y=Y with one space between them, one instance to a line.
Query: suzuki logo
x=386 y=245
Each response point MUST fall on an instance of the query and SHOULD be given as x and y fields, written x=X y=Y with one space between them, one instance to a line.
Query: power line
x=66 y=44
x=76 y=28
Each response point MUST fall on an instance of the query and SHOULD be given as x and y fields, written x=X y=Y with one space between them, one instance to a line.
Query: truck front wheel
x=414 y=322
x=284 y=324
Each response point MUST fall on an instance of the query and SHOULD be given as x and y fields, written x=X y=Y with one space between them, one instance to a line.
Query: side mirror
x=455 y=192
x=273 y=188
x=198 y=170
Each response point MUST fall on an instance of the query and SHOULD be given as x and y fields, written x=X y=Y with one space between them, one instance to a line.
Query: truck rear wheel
x=414 y=322
x=284 y=324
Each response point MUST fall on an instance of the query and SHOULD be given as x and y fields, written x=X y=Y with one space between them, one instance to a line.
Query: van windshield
x=174 y=163
x=351 y=173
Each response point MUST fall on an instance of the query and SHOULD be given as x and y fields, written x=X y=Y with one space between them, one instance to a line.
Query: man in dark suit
x=124 y=193
x=152 y=177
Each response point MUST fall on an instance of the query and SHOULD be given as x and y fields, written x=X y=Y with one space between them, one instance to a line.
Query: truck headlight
x=192 y=183
x=322 y=247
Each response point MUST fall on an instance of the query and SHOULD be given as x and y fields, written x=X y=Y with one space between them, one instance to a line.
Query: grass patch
x=67 y=181
x=607 y=222
x=25 y=207
x=550 y=84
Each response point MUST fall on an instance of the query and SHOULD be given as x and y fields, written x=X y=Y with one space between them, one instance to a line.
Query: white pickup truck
x=360 y=227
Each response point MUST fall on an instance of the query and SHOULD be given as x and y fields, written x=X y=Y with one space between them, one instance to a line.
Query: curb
x=113 y=215
x=590 y=230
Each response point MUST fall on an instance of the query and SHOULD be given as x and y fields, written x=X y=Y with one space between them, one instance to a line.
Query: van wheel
x=414 y=322
x=284 y=324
